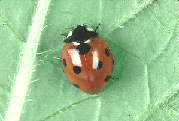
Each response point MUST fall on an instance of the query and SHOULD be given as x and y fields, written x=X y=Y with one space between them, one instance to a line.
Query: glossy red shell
x=90 y=79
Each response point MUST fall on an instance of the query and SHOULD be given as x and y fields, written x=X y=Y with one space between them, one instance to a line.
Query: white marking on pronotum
x=69 y=34
x=76 y=43
x=89 y=29
x=75 y=57
x=87 y=41
x=26 y=65
x=95 y=59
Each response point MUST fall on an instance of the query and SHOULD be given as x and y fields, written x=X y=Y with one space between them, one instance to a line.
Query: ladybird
x=87 y=60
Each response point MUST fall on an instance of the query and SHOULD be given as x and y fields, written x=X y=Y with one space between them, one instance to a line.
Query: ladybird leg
x=111 y=78
x=62 y=64
x=114 y=78
x=76 y=85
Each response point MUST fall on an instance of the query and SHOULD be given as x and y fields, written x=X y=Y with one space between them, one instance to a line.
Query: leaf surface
x=141 y=33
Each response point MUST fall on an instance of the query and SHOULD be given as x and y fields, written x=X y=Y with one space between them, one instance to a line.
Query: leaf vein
x=148 y=84
x=136 y=12
x=164 y=48
x=151 y=110
x=68 y=107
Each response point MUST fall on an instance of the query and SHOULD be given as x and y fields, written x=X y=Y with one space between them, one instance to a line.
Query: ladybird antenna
x=64 y=34
x=69 y=28
x=84 y=24
x=97 y=27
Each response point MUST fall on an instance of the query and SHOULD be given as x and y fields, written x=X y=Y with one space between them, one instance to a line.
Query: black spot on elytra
x=100 y=65
x=84 y=48
x=107 y=52
x=64 y=62
x=77 y=69
x=75 y=85
x=107 y=78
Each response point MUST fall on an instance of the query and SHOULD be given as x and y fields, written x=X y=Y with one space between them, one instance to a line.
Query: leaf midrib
x=27 y=63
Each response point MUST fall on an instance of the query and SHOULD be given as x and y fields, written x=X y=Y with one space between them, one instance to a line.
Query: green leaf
x=142 y=34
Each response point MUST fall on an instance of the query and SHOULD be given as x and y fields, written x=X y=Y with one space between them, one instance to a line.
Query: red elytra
x=87 y=60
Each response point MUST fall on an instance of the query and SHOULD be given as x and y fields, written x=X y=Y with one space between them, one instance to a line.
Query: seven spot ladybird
x=87 y=60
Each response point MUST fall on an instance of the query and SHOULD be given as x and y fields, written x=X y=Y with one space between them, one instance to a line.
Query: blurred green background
x=143 y=36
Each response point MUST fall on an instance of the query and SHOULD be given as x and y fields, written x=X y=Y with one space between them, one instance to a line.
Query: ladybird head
x=80 y=34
